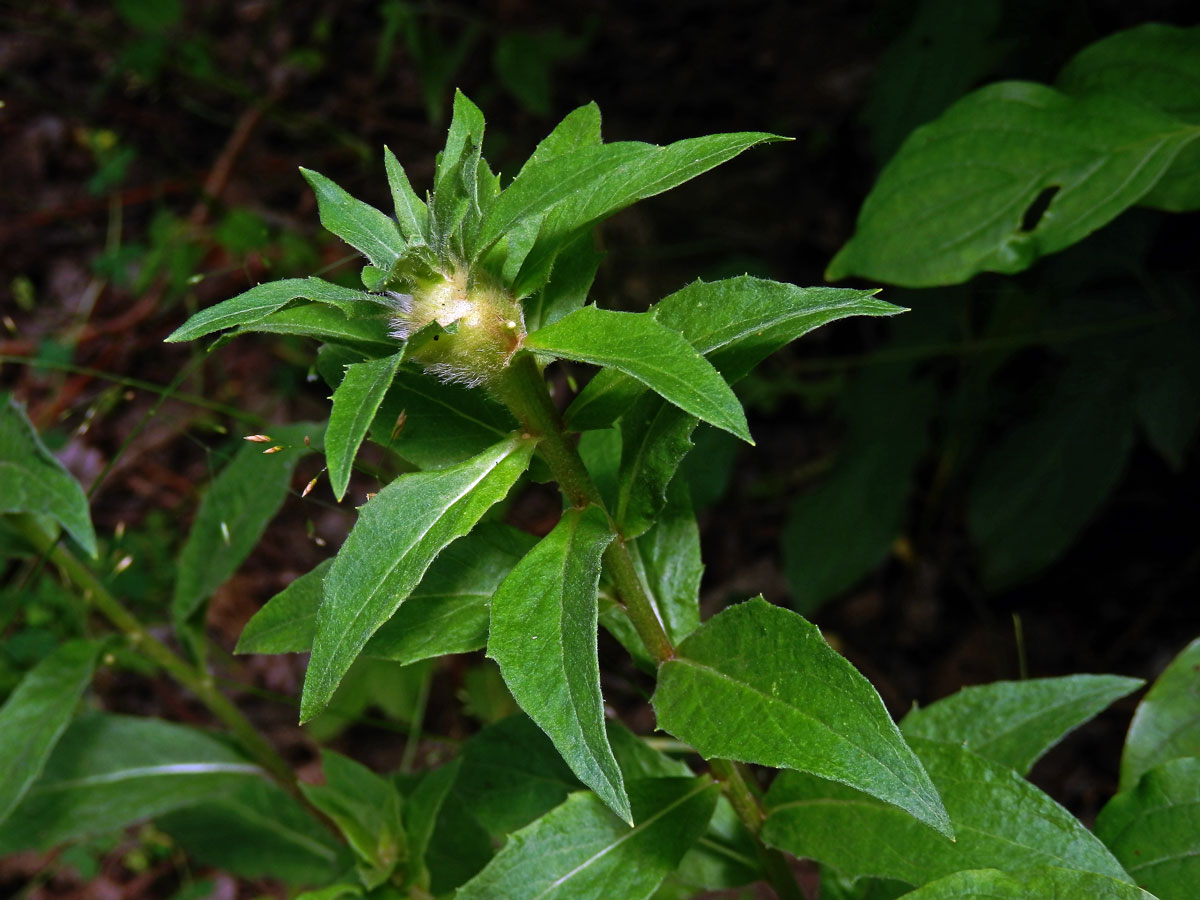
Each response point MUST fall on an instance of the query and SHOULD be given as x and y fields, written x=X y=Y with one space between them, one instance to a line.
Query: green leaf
x=668 y=558
x=944 y=51
x=580 y=128
x=262 y=300
x=108 y=771
x=427 y=422
x=736 y=323
x=361 y=226
x=366 y=809
x=286 y=623
x=1154 y=829
x=36 y=713
x=1166 y=725
x=953 y=200
x=1157 y=65
x=1002 y=821
x=759 y=684
x=588 y=185
x=581 y=851
x=364 y=326
x=421 y=811
x=847 y=525
x=1040 y=883
x=398 y=534
x=257 y=830
x=355 y=403
x=239 y=504
x=33 y=481
x=574 y=270
x=661 y=359
x=543 y=635
x=724 y=857
x=1043 y=481
x=448 y=611
x=511 y=775
x=411 y=213
x=1014 y=722
x=455 y=184
x=655 y=437
x=459 y=848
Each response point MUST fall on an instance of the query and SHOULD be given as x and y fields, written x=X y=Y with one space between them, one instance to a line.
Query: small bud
x=258 y=438
x=274 y=449
x=124 y=563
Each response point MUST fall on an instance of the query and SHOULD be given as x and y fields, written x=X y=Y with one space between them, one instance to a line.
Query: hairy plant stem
x=197 y=681
x=523 y=390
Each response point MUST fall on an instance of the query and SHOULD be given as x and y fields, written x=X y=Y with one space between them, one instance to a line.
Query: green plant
x=440 y=357
x=1028 y=393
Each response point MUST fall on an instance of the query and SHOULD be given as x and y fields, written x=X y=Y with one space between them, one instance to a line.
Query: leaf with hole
x=953 y=200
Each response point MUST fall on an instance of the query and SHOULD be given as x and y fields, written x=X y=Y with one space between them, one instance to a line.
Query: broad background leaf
x=1038 y=883
x=1014 y=722
x=1158 y=65
x=543 y=635
x=951 y=202
x=33 y=481
x=759 y=684
x=36 y=713
x=108 y=771
x=398 y=534
x=235 y=511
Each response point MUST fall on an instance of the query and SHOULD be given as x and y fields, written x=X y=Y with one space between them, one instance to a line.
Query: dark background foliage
x=148 y=159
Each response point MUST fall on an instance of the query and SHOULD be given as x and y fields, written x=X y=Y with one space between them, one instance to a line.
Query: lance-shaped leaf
x=421 y=811
x=411 y=213
x=1158 y=65
x=257 y=830
x=668 y=558
x=448 y=611
x=1014 y=722
x=363 y=325
x=574 y=271
x=736 y=323
x=33 y=481
x=1154 y=829
x=108 y=771
x=262 y=300
x=661 y=359
x=239 y=504
x=592 y=183
x=355 y=403
x=1001 y=821
x=456 y=183
x=543 y=635
x=427 y=422
x=366 y=808
x=759 y=684
x=655 y=437
x=955 y=199
x=398 y=534
x=361 y=226
x=287 y=622
x=36 y=713
x=1166 y=725
x=581 y=851
x=1039 y=883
